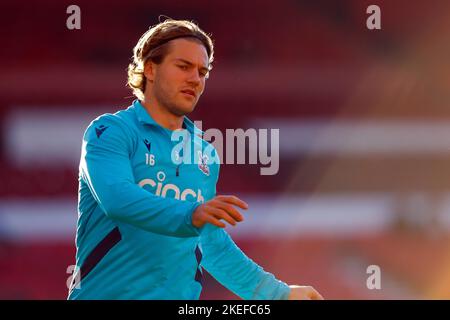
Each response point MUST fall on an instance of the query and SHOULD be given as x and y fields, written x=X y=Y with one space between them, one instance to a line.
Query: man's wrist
x=285 y=292
x=188 y=217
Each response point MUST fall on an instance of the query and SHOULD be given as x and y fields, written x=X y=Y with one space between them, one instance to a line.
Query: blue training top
x=137 y=193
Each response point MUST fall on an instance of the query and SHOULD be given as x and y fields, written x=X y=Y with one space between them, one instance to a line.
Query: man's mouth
x=190 y=92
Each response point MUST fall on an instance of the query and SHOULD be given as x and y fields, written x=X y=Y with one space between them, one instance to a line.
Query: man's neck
x=161 y=115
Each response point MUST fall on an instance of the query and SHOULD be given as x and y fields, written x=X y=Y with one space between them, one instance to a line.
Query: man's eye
x=183 y=67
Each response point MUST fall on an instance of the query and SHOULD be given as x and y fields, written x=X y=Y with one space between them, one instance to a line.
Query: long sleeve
x=106 y=168
x=232 y=268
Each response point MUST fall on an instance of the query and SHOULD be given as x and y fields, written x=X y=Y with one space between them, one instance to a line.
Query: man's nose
x=194 y=77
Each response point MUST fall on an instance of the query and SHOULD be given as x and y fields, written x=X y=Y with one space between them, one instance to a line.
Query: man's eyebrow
x=191 y=64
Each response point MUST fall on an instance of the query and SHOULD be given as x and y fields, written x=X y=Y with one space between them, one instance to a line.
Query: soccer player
x=149 y=223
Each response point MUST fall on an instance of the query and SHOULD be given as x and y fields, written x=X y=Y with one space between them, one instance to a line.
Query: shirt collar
x=144 y=117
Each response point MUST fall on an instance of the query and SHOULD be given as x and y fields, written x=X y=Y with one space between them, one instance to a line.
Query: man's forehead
x=189 y=51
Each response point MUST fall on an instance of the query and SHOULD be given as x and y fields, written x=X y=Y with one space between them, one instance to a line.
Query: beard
x=165 y=100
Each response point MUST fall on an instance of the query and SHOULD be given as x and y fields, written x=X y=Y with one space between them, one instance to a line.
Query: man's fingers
x=233 y=200
x=221 y=207
x=212 y=220
x=304 y=293
x=314 y=295
x=319 y=296
x=221 y=214
x=232 y=211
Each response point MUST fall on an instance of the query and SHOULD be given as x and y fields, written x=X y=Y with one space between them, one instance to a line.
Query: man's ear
x=149 y=71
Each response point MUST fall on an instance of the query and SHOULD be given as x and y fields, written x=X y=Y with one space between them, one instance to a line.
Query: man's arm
x=229 y=265
x=106 y=168
x=226 y=262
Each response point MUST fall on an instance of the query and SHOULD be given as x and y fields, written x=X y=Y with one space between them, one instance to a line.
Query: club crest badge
x=203 y=163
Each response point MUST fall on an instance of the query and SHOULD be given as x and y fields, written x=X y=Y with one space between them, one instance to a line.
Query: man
x=148 y=224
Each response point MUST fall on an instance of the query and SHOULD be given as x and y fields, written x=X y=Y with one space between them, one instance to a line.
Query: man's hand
x=221 y=207
x=304 y=293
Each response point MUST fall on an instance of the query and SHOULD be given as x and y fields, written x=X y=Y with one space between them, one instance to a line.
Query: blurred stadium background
x=364 y=123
